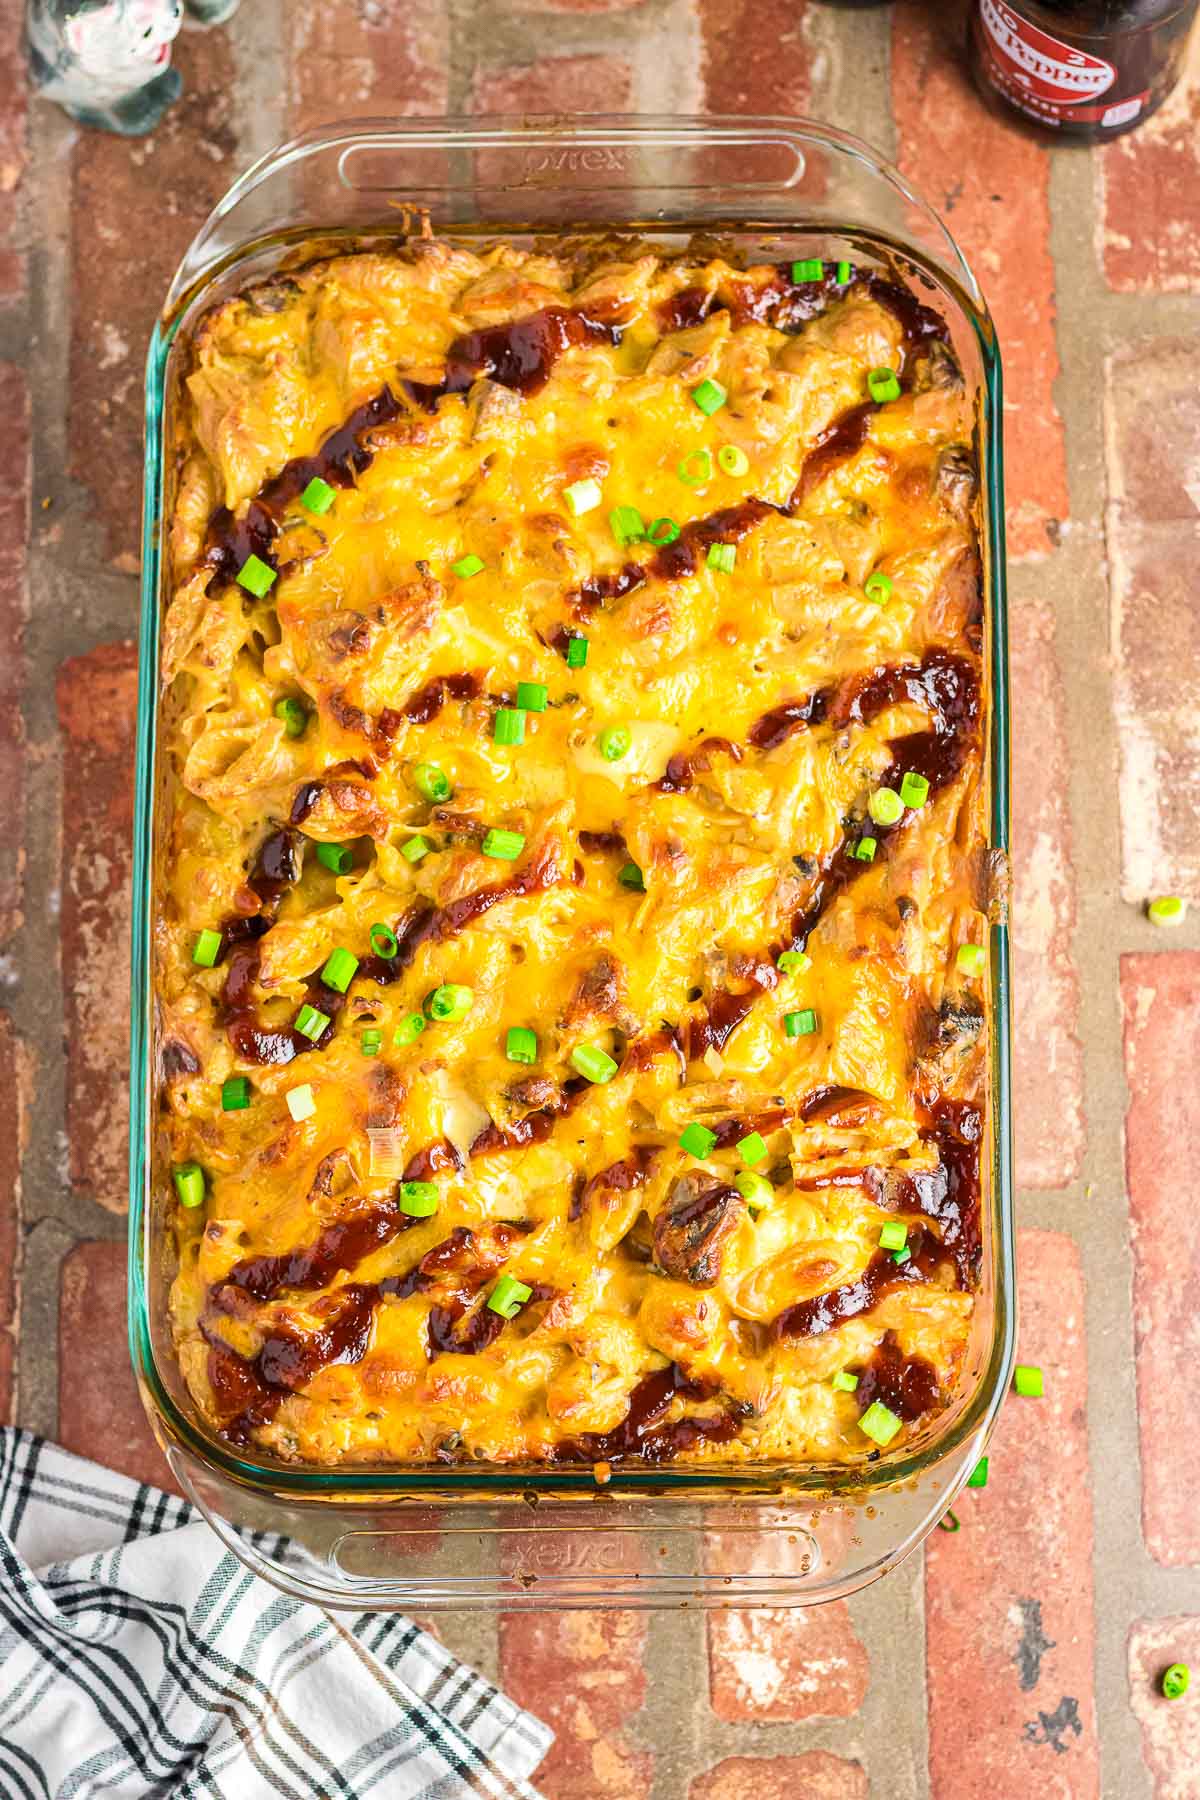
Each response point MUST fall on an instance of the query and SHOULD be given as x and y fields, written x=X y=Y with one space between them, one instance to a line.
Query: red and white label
x=1041 y=66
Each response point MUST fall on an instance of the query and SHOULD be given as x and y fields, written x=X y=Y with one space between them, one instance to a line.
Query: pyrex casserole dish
x=781 y=191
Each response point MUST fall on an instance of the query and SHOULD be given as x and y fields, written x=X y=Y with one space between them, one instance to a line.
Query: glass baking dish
x=425 y=1538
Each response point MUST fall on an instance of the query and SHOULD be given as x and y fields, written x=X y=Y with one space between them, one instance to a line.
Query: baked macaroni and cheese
x=571 y=923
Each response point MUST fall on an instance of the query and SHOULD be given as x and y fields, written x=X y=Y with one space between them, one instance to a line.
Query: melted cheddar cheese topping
x=694 y=1303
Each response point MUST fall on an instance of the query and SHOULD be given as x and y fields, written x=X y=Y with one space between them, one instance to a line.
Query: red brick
x=1153 y=441
x=99 y=1411
x=1048 y=1087
x=1168 y=1726
x=1009 y=1610
x=14 y=1091
x=14 y=612
x=816 y=1775
x=353 y=61
x=14 y=101
x=755 y=57
x=556 y=84
x=1160 y=997
x=96 y=700
x=135 y=208
x=991 y=183
x=1150 y=196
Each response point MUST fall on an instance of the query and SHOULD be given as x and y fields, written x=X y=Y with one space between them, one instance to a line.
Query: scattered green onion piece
x=864 y=850
x=310 y=1023
x=627 y=524
x=418 y=1199
x=582 y=496
x=752 y=1148
x=235 y=1094
x=338 y=972
x=189 y=1183
x=696 y=468
x=970 y=959
x=885 y=806
x=415 y=848
x=614 y=742
x=811 y=269
x=338 y=857
x=844 y=1382
x=1176 y=1681
x=1167 y=911
x=722 y=557
x=630 y=876
x=663 y=531
x=408 y=1030
x=950 y=1521
x=509 y=726
x=505 y=846
x=532 y=696
x=794 y=962
x=384 y=941
x=732 y=460
x=697 y=1140
x=300 y=1102
x=879 y=1423
x=893 y=1235
x=979 y=1474
x=520 y=1044
x=883 y=386
x=206 y=948
x=800 y=1024
x=508 y=1297
x=449 y=1002
x=710 y=396
x=878 y=587
x=755 y=1190
x=902 y=1256
x=914 y=790
x=593 y=1064
x=371 y=1043
x=577 y=652
x=256 y=576
x=295 y=718
x=432 y=783
x=843 y=274
x=466 y=566
x=1028 y=1381
x=318 y=496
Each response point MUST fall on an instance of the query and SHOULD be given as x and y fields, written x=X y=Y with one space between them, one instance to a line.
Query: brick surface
x=1149 y=184
x=1160 y=997
x=99 y=1412
x=1048 y=1086
x=14 y=536
x=755 y=57
x=1008 y=1599
x=13 y=1095
x=96 y=700
x=14 y=103
x=556 y=84
x=815 y=1776
x=1168 y=1726
x=350 y=60
x=991 y=183
x=1153 y=448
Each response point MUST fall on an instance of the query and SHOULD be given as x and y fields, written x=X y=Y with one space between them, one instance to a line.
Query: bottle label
x=1041 y=74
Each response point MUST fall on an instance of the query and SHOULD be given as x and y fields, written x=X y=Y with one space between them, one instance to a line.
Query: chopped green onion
x=800 y=1024
x=979 y=1474
x=630 y=876
x=235 y=1094
x=506 y=846
x=532 y=696
x=883 y=386
x=844 y=1382
x=902 y=1256
x=338 y=857
x=256 y=576
x=893 y=1235
x=577 y=652
x=614 y=742
x=418 y=1199
x=752 y=1148
x=310 y=1023
x=697 y=1140
x=408 y=1030
x=914 y=790
x=593 y=1063
x=627 y=524
x=300 y=1102
x=384 y=941
x=508 y=1296
x=415 y=848
x=793 y=962
x=207 y=948
x=189 y=1183
x=970 y=959
x=318 y=496
x=755 y=1190
x=1167 y=911
x=582 y=496
x=432 y=783
x=449 y=1002
x=864 y=850
x=878 y=587
x=722 y=557
x=371 y=1043
x=879 y=1423
x=811 y=269
x=732 y=460
x=466 y=566
x=338 y=972
x=843 y=274
x=696 y=468
x=663 y=531
x=710 y=396
x=520 y=1044
x=885 y=806
x=950 y=1521
x=295 y=718
x=1176 y=1681
x=509 y=726
x=1028 y=1381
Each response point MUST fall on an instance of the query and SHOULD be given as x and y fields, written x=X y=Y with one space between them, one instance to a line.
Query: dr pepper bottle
x=1086 y=68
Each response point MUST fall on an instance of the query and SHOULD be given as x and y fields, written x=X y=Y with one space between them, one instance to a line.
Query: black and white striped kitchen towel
x=139 y=1659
